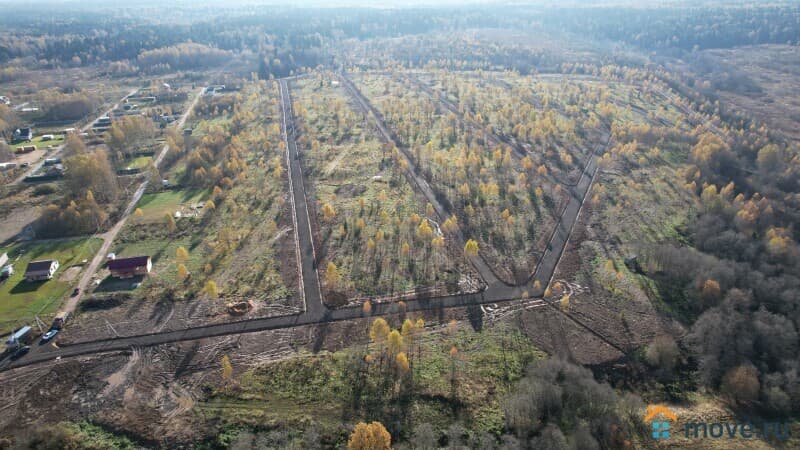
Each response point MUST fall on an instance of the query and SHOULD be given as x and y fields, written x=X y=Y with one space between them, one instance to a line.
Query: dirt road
x=309 y=277
x=422 y=186
x=316 y=312
x=110 y=235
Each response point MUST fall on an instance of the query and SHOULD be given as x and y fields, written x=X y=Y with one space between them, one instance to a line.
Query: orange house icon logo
x=661 y=426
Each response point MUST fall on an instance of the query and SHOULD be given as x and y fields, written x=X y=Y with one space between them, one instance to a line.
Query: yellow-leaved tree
x=379 y=330
x=402 y=362
x=471 y=248
x=211 y=289
x=372 y=436
x=227 y=368
x=332 y=276
x=183 y=272
x=395 y=342
x=328 y=213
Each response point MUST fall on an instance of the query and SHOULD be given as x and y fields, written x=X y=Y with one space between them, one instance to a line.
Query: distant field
x=155 y=206
x=20 y=300
x=137 y=163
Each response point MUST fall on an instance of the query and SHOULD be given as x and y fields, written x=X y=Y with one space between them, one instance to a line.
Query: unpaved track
x=110 y=235
x=309 y=277
x=316 y=312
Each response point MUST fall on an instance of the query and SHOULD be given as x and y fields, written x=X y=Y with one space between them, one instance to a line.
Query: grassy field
x=140 y=162
x=39 y=143
x=155 y=206
x=20 y=300
x=322 y=388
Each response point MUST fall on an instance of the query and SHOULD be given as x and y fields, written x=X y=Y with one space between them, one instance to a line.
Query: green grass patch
x=21 y=300
x=321 y=387
x=155 y=206
x=39 y=143
x=163 y=253
x=140 y=162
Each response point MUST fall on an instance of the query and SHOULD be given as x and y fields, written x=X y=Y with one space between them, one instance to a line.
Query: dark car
x=22 y=351
x=76 y=292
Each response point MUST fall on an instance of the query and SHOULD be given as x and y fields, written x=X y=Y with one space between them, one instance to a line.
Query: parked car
x=22 y=351
x=49 y=335
x=76 y=292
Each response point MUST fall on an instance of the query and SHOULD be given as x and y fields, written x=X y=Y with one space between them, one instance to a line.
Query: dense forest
x=288 y=39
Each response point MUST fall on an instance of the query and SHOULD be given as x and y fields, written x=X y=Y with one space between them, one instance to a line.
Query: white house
x=41 y=270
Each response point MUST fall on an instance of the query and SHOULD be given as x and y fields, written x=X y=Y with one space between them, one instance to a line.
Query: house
x=23 y=134
x=130 y=267
x=41 y=270
x=56 y=170
x=102 y=123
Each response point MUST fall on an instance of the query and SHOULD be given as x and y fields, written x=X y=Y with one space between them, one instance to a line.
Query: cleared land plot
x=324 y=387
x=638 y=202
x=762 y=80
x=508 y=206
x=155 y=206
x=21 y=300
x=377 y=232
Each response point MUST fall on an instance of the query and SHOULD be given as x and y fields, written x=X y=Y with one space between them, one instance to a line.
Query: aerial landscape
x=409 y=225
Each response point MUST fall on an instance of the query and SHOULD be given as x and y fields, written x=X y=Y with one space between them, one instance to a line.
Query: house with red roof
x=130 y=267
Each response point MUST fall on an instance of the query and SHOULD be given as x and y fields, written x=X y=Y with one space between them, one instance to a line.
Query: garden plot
x=371 y=227
x=509 y=206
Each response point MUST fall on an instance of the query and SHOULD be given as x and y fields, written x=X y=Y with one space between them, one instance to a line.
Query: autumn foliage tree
x=90 y=172
x=182 y=271
x=211 y=289
x=372 y=436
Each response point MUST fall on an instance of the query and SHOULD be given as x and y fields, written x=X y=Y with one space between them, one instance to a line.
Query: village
x=41 y=279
